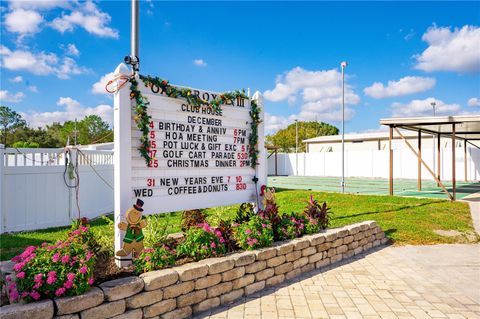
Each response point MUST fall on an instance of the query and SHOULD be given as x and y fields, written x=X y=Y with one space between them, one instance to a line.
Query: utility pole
x=296 y=146
x=343 y=65
x=433 y=103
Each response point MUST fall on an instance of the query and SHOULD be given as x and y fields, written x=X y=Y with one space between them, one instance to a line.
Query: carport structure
x=464 y=128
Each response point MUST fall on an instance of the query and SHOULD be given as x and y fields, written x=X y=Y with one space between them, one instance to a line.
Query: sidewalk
x=441 y=281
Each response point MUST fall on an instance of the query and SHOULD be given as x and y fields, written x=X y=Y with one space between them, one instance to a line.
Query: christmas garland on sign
x=143 y=120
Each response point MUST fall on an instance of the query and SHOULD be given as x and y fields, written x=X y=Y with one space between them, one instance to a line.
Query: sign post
x=199 y=155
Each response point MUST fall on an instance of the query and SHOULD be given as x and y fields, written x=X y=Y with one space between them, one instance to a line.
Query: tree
x=9 y=119
x=285 y=139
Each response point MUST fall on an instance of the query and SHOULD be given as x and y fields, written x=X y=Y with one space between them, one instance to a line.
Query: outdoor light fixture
x=343 y=65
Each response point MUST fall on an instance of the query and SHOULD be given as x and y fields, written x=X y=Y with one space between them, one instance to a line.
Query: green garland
x=142 y=119
x=253 y=137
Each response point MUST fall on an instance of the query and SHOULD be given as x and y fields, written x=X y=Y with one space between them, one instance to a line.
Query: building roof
x=382 y=135
x=466 y=126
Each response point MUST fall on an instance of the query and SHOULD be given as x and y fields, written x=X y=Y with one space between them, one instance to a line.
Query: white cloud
x=33 y=88
x=424 y=108
x=199 y=62
x=72 y=50
x=474 y=101
x=16 y=79
x=38 y=4
x=88 y=17
x=6 y=96
x=99 y=87
x=23 y=21
x=456 y=50
x=274 y=123
x=71 y=109
x=320 y=93
x=405 y=86
x=40 y=63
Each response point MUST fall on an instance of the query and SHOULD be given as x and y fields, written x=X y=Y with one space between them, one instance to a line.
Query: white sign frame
x=126 y=157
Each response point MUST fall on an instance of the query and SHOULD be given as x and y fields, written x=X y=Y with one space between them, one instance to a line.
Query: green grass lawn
x=407 y=221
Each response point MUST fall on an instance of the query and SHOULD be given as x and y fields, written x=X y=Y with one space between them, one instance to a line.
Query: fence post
x=3 y=222
x=122 y=159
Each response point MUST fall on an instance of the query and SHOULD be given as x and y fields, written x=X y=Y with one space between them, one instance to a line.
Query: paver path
x=441 y=281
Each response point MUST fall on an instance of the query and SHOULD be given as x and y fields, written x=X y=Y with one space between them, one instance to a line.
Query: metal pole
x=438 y=157
x=134 y=31
x=296 y=146
x=454 y=177
x=390 y=153
x=343 y=65
x=419 y=170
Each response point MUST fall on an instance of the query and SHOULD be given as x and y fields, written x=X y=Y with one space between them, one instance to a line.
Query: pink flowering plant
x=202 y=241
x=154 y=258
x=253 y=234
x=62 y=269
x=317 y=216
x=292 y=226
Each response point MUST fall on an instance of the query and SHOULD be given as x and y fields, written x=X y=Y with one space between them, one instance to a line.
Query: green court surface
x=372 y=186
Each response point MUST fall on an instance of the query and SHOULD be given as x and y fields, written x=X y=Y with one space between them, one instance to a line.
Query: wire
x=101 y=138
x=91 y=166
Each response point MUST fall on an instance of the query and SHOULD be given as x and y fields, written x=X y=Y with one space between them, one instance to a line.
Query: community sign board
x=199 y=155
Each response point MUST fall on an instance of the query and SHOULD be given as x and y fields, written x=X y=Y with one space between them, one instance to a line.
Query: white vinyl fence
x=375 y=164
x=34 y=191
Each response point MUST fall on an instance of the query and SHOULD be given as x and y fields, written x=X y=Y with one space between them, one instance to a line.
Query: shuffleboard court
x=372 y=186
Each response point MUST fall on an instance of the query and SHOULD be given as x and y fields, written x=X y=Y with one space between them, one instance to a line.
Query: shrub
x=318 y=216
x=191 y=218
x=202 y=241
x=244 y=213
x=255 y=233
x=293 y=226
x=270 y=212
x=154 y=258
x=63 y=269
x=156 y=232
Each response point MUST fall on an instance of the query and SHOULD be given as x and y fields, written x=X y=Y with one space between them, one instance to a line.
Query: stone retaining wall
x=182 y=291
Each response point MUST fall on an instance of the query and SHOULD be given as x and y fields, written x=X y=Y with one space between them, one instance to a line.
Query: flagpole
x=133 y=59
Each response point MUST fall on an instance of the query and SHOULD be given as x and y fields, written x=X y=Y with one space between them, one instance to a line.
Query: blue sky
x=55 y=55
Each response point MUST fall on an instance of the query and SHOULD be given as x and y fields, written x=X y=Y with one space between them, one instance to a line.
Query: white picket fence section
x=375 y=164
x=34 y=193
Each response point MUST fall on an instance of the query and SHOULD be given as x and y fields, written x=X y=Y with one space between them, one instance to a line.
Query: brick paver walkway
x=440 y=281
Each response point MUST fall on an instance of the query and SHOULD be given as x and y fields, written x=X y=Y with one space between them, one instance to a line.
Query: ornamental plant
x=191 y=218
x=293 y=226
x=318 y=216
x=62 y=269
x=271 y=214
x=202 y=241
x=154 y=258
x=255 y=233
x=244 y=213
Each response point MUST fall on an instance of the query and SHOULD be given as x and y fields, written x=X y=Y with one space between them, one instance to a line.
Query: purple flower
x=213 y=245
x=70 y=276
x=248 y=231
x=65 y=259
x=35 y=295
x=38 y=278
x=68 y=284
x=18 y=266
x=60 y=291
x=56 y=257
x=83 y=270
x=91 y=281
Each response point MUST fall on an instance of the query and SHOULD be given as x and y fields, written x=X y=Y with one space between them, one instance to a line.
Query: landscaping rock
x=308 y=267
x=283 y=249
x=122 y=288
x=353 y=229
x=275 y=261
x=330 y=235
x=275 y=280
x=218 y=265
x=253 y=288
x=324 y=246
x=348 y=239
x=342 y=249
x=37 y=310
x=342 y=233
x=70 y=316
x=233 y=274
x=353 y=245
x=309 y=251
x=243 y=281
x=336 y=258
x=159 y=308
x=256 y=267
x=331 y=252
x=244 y=258
x=358 y=236
x=337 y=242
x=322 y=263
x=300 y=244
x=179 y=289
x=231 y=296
x=105 y=310
x=67 y=305
x=132 y=314
x=294 y=273
x=264 y=274
x=219 y=289
x=300 y=262
x=208 y=281
x=266 y=253
x=144 y=299
x=191 y=298
x=158 y=279
x=294 y=255
x=317 y=239
x=284 y=268
x=191 y=271
x=206 y=305
x=180 y=313
x=314 y=258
